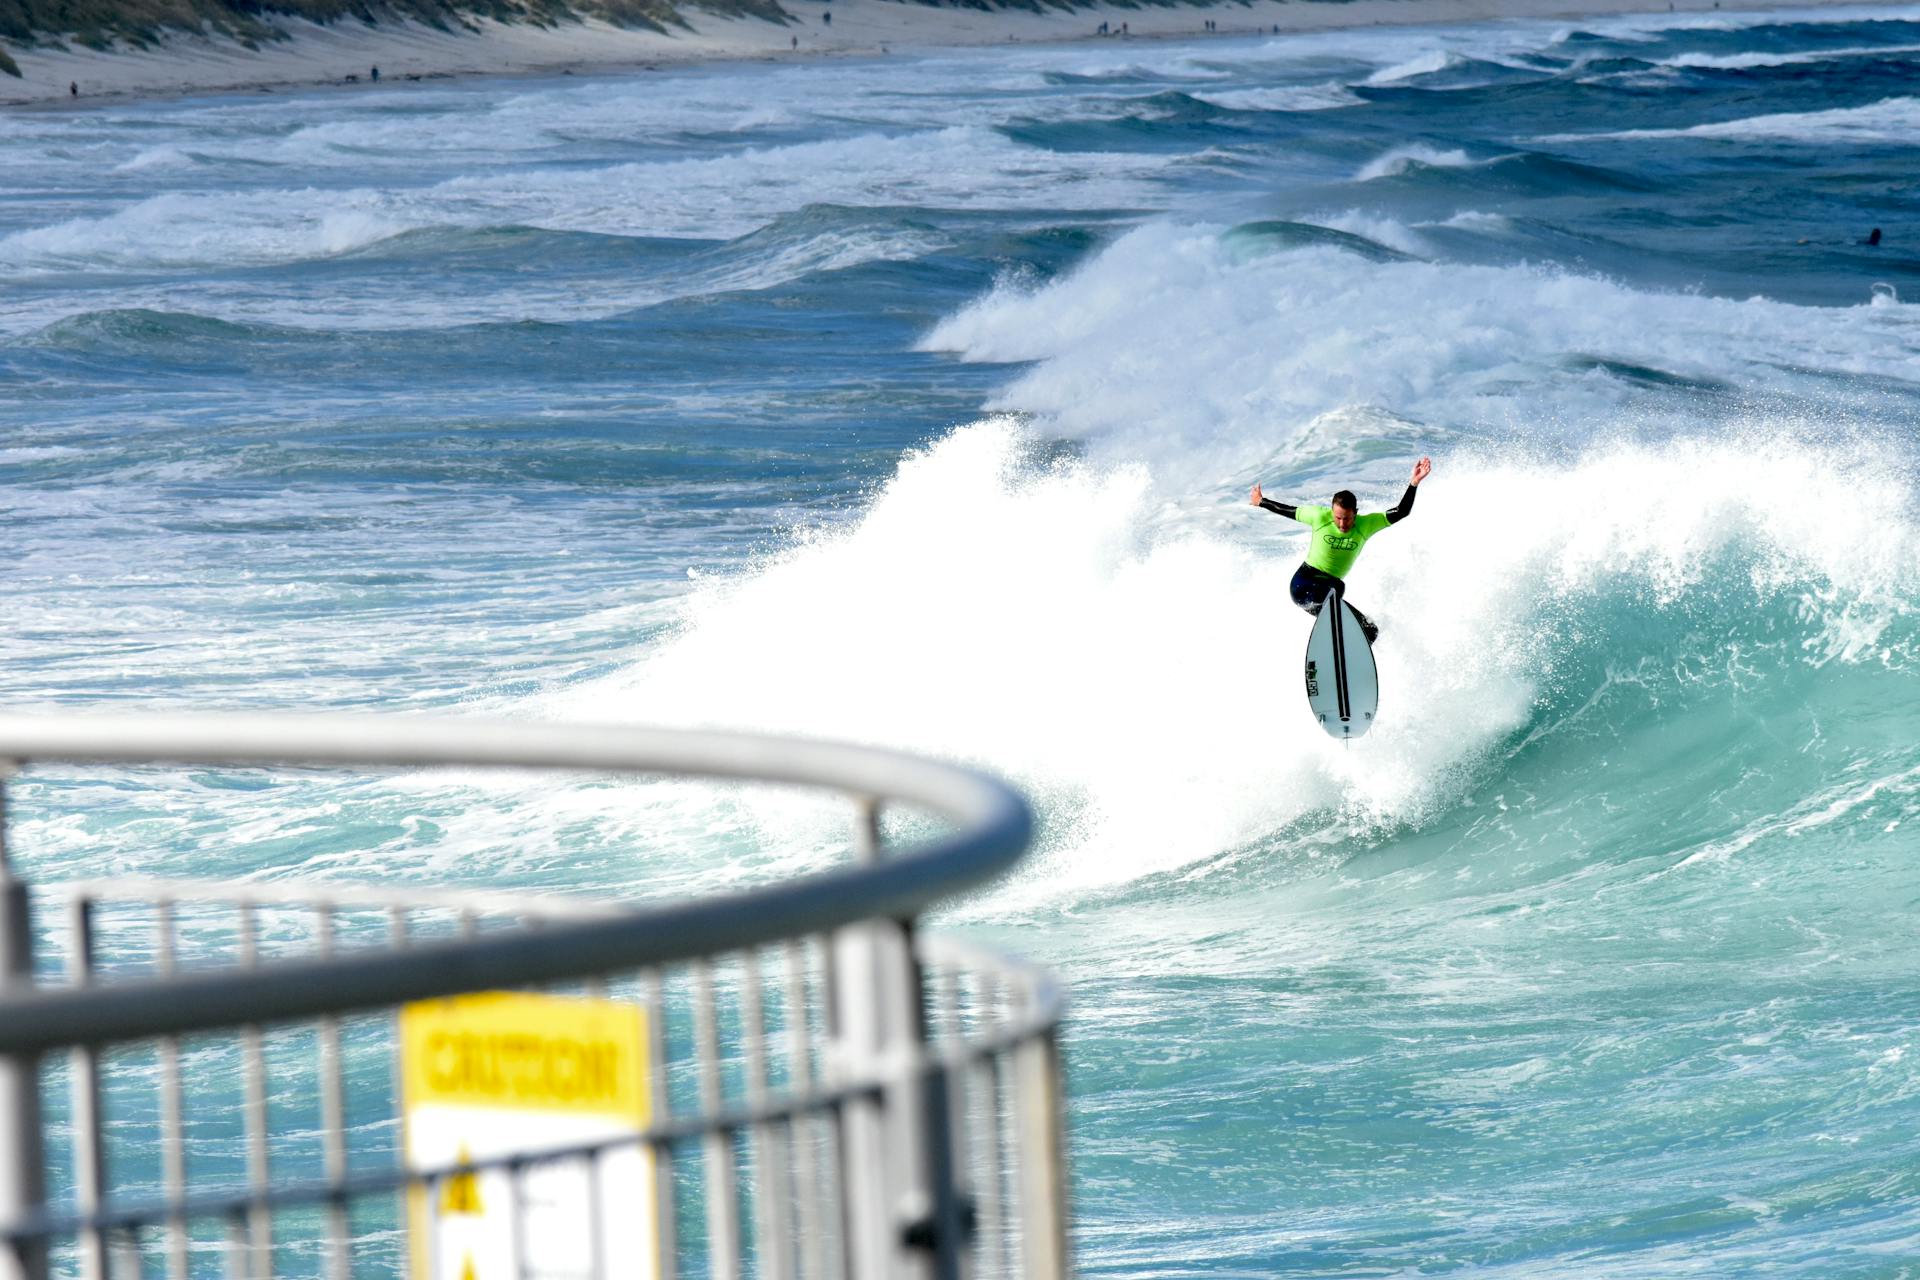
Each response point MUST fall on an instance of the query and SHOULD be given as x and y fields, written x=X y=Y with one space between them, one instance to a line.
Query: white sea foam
x=1137 y=676
x=1747 y=61
x=1424 y=65
x=1179 y=65
x=1408 y=238
x=964 y=167
x=17 y=455
x=186 y=229
x=1891 y=120
x=1330 y=96
x=1170 y=334
x=157 y=158
x=830 y=251
x=1400 y=159
x=1379 y=228
x=1476 y=220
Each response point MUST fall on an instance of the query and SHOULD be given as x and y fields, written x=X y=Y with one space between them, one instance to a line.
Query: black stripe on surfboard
x=1339 y=606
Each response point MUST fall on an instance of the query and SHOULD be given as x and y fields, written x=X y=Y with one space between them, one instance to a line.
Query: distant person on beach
x=374 y=75
x=826 y=17
x=73 y=88
x=1338 y=534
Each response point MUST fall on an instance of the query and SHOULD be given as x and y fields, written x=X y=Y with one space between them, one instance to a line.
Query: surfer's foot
x=1367 y=628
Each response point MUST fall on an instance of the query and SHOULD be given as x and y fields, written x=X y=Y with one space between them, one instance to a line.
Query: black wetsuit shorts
x=1310 y=589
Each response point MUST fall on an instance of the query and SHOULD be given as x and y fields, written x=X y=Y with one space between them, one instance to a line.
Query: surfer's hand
x=1255 y=499
x=1421 y=470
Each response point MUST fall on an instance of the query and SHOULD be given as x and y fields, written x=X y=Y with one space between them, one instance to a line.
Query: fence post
x=1043 y=1170
x=22 y=1160
x=903 y=1217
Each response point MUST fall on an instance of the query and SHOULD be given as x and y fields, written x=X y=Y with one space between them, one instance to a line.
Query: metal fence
x=202 y=1078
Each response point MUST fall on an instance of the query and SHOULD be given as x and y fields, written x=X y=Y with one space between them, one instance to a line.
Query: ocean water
x=915 y=401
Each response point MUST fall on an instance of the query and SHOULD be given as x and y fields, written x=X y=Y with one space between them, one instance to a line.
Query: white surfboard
x=1343 y=688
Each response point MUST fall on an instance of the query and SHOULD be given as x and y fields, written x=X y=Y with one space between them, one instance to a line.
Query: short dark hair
x=1345 y=498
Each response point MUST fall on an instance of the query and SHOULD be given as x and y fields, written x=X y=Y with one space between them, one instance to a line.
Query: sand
x=347 y=52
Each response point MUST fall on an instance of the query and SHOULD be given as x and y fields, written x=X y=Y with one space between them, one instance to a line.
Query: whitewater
x=915 y=401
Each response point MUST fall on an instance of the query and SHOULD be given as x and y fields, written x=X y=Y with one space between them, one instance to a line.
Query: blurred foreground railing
x=257 y=1079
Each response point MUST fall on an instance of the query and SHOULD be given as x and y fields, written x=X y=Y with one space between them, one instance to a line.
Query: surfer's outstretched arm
x=1278 y=508
x=1402 y=509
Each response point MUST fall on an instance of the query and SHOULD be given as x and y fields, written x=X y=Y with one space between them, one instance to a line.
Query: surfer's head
x=1344 y=504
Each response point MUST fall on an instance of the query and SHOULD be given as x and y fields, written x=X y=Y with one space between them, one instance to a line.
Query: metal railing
x=824 y=1093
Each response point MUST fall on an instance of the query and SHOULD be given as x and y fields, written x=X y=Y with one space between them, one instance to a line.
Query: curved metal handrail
x=321 y=895
x=995 y=826
x=1044 y=1011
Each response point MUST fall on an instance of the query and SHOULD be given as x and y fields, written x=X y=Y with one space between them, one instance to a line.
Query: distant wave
x=1518 y=171
x=1746 y=61
x=1891 y=120
x=1424 y=65
x=1222 y=342
x=1269 y=236
x=1400 y=159
x=186 y=229
x=159 y=158
x=961 y=166
x=1453 y=71
x=1330 y=96
x=1649 y=27
x=1134 y=73
x=809 y=241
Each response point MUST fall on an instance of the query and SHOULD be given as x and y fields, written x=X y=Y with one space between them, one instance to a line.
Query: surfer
x=1338 y=534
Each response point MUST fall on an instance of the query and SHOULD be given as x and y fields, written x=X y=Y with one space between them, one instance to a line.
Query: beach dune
x=348 y=52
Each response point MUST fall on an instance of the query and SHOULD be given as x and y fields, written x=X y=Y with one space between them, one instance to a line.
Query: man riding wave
x=1338 y=532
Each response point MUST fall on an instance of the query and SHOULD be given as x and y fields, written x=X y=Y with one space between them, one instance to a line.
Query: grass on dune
x=142 y=24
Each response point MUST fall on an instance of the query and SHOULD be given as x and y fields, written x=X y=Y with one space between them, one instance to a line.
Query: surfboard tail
x=1343 y=685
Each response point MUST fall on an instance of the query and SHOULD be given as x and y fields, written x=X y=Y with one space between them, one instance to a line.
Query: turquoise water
x=915 y=401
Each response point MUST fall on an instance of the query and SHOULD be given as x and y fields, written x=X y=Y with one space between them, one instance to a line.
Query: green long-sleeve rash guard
x=1331 y=551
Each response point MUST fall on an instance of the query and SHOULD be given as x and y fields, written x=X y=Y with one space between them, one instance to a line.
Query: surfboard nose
x=1343 y=685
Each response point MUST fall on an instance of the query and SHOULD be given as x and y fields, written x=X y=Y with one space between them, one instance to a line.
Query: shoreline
x=347 y=53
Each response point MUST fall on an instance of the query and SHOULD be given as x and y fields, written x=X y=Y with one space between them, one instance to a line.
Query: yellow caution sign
x=506 y=1074
x=524 y=1052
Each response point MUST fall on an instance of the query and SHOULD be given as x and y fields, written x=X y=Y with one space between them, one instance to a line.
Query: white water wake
x=1112 y=629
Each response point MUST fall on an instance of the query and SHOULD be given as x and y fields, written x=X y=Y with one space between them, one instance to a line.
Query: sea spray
x=1141 y=677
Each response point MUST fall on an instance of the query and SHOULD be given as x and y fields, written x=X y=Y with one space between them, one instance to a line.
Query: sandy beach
x=349 y=52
